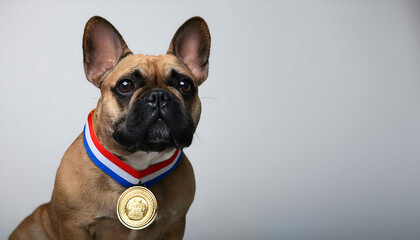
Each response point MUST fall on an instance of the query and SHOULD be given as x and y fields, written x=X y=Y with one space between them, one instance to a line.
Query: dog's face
x=147 y=103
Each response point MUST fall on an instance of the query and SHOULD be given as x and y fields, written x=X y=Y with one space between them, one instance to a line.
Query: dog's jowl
x=125 y=176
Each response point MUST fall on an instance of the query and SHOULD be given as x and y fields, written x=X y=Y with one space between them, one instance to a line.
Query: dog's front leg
x=69 y=233
x=72 y=229
x=175 y=231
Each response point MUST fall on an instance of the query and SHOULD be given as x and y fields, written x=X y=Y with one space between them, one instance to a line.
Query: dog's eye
x=185 y=86
x=125 y=86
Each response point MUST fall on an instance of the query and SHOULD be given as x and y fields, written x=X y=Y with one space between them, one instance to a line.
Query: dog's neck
x=137 y=168
x=141 y=160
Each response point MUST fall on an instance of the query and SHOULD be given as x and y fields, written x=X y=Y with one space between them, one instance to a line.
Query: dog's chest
x=141 y=160
x=109 y=227
x=106 y=224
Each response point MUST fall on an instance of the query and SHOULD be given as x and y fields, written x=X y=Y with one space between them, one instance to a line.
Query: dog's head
x=147 y=103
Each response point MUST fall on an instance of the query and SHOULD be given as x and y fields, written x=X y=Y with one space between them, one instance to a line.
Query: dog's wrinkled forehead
x=155 y=70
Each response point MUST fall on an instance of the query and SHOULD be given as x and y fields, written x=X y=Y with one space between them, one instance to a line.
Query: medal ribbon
x=119 y=170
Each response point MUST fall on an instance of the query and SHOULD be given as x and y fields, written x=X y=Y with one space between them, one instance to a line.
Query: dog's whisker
x=212 y=98
x=199 y=138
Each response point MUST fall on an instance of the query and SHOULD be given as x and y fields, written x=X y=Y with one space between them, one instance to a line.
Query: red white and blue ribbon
x=119 y=170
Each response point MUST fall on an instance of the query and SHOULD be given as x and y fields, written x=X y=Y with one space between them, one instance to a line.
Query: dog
x=147 y=113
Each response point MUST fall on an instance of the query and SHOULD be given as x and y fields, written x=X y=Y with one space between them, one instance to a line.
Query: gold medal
x=137 y=207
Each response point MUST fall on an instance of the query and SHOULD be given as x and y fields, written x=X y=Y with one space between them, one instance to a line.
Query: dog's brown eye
x=125 y=86
x=185 y=86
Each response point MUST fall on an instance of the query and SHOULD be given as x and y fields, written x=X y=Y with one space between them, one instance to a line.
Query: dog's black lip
x=160 y=123
x=145 y=145
x=160 y=127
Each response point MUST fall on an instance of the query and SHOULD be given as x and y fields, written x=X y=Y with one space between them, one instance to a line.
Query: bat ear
x=191 y=45
x=103 y=48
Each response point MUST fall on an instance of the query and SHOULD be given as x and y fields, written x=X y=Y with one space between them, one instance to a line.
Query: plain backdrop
x=311 y=119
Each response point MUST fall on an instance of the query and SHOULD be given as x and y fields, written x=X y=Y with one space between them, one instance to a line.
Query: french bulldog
x=147 y=113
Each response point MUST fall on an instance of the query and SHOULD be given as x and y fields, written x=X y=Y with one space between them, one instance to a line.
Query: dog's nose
x=158 y=98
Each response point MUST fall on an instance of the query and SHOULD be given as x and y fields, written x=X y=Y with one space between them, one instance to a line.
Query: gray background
x=311 y=118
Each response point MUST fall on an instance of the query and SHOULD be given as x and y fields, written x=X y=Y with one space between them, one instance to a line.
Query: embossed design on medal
x=137 y=207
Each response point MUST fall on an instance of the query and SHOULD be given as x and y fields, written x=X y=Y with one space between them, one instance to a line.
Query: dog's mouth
x=159 y=133
x=156 y=138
